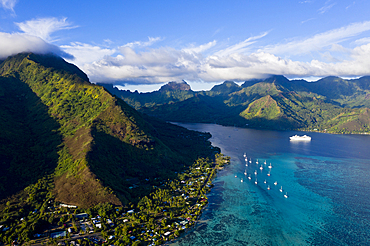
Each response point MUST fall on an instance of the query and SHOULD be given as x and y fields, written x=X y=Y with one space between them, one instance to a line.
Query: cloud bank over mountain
x=149 y=62
x=210 y=62
x=36 y=36
x=11 y=44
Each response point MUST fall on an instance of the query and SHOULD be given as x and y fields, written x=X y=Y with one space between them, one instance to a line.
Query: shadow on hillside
x=120 y=165
x=29 y=138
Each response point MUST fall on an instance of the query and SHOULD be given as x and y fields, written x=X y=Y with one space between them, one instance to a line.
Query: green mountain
x=66 y=139
x=167 y=94
x=331 y=104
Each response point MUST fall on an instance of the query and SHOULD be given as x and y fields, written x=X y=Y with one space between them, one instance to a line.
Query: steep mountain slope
x=88 y=146
x=28 y=136
x=169 y=93
x=265 y=107
x=332 y=103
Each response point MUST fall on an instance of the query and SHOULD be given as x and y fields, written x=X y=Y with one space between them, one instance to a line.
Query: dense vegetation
x=65 y=140
x=331 y=104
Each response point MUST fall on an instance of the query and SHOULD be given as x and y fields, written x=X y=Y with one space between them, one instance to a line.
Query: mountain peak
x=251 y=82
x=277 y=79
x=226 y=87
x=174 y=85
x=49 y=60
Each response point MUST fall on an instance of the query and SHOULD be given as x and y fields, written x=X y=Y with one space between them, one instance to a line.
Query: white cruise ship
x=300 y=138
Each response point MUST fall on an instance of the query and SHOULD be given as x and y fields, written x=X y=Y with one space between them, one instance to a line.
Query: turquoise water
x=326 y=181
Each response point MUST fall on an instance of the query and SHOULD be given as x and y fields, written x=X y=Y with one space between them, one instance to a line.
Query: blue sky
x=143 y=44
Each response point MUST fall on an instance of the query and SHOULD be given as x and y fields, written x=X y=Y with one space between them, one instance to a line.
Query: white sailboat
x=268 y=187
x=261 y=167
x=281 y=189
x=265 y=181
x=286 y=195
x=241 y=180
x=270 y=166
x=255 y=181
x=275 y=183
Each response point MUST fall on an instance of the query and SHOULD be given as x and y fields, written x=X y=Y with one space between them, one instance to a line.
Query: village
x=167 y=212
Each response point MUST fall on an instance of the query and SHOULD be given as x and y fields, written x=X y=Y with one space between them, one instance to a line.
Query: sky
x=140 y=45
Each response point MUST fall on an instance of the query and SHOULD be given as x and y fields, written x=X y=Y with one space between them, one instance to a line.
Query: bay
x=326 y=182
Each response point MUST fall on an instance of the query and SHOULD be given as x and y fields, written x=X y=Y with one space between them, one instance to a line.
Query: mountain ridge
x=303 y=105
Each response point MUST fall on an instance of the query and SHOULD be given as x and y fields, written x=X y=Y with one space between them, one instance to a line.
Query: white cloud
x=310 y=19
x=358 y=65
x=154 y=66
x=143 y=44
x=319 y=41
x=240 y=47
x=8 y=4
x=352 y=4
x=12 y=44
x=327 y=6
x=362 y=41
x=86 y=53
x=131 y=63
x=168 y=64
x=44 y=27
x=233 y=63
x=200 y=48
x=256 y=65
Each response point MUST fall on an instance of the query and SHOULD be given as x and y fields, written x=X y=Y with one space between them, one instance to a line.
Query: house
x=67 y=205
x=58 y=234
x=82 y=216
x=184 y=222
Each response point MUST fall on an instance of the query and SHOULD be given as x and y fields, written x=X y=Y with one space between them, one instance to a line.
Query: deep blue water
x=327 y=182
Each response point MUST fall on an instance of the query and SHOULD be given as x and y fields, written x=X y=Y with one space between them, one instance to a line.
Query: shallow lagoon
x=326 y=181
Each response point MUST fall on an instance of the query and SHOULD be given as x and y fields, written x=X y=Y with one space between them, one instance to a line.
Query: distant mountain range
x=66 y=139
x=331 y=104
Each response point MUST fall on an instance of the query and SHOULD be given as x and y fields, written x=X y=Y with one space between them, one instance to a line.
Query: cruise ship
x=300 y=138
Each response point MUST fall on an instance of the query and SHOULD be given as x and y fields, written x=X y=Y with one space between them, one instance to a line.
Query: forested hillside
x=81 y=145
x=331 y=104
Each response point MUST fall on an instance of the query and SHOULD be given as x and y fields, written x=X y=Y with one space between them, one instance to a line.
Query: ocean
x=326 y=182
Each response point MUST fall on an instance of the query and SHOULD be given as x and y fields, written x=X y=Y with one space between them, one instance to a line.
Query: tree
x=136 y=243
